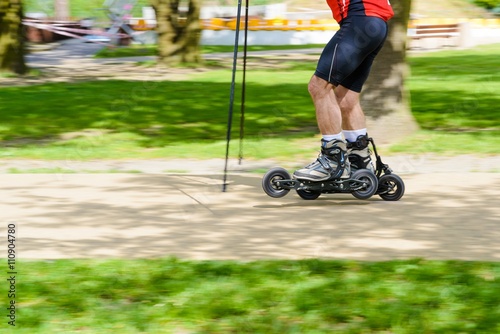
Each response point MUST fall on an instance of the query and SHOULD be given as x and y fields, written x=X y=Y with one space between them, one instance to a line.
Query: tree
x=11 y=37
x=385 y=99
x=179 y=32
x=61 y=9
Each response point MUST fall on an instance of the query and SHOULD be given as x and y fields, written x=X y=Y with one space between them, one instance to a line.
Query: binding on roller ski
x=362 y=183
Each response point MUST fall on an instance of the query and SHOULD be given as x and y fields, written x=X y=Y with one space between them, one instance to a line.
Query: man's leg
x=353 y=117
x=332 y=163
x=328 y=114
x=354 y=128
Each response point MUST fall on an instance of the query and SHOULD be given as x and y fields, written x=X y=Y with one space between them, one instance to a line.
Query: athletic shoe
x=330 y=164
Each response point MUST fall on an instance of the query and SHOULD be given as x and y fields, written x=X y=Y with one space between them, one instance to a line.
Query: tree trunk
x=178 y=33
x=11 y=37
x=385 y=100
x=191 y=37
x=61 y=9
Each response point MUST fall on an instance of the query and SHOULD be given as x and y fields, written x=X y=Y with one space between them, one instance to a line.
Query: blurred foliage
x=489 y=4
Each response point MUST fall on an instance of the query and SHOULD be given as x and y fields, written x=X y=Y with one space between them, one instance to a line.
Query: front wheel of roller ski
x=391 y=187
x=370 y=184
x=270 y=182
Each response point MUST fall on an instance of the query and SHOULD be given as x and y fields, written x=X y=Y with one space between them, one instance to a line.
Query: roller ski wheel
x=391 y=187
x=369 y=179
x=307 y=194
x=269 y=182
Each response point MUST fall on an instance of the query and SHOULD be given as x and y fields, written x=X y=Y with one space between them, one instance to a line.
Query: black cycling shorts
x=348 y=57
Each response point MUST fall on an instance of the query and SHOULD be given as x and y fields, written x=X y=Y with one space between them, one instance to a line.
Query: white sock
x=338 y=136
x=352 y=135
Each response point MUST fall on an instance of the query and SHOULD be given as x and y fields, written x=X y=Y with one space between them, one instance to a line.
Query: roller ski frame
x=362 y=184
x=390 y=186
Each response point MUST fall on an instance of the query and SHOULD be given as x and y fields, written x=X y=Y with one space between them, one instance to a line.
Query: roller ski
x=340 y=168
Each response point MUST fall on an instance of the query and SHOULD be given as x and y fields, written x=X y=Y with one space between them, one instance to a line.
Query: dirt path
x=441 y=216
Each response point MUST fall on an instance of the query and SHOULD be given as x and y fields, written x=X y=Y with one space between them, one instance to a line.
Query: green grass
x=307 y=296
x=149 y=119
x=454 y=99
x=151 y=50
x=456 y=90
x=128 y=51
x=453 y=95
x=446 y=143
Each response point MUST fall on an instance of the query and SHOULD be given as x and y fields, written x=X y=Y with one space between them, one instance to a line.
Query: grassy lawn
x=151 y=50
x=453 y=93
x=454 y=98
x=308 y=296
x=456 y=90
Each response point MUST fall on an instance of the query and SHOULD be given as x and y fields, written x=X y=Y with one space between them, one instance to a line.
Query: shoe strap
x=325 y=163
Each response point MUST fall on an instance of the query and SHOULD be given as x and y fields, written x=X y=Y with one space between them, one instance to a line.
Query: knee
x=348 y=106
x=347 y=100
x=318 y=87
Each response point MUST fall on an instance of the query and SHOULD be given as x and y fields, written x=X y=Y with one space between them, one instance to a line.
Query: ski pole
x=231 y=94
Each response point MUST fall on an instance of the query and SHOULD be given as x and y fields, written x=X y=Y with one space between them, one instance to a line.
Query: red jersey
x=344 y=8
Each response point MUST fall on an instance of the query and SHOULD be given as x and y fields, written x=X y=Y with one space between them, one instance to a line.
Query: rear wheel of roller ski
x=371 y=184
x=391 y=187
x=270 y=180
x=307 y=194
